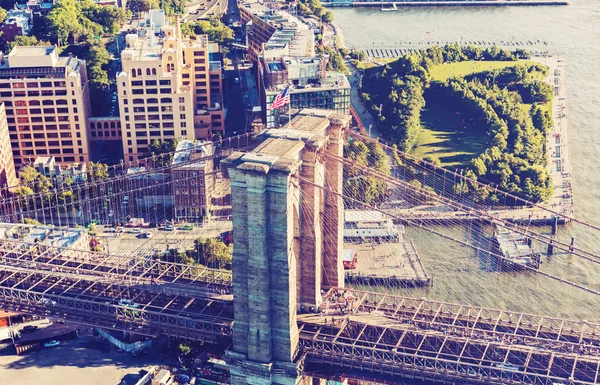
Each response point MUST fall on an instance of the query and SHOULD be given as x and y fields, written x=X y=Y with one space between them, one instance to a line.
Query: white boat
x=392 y=8
x=515 y=248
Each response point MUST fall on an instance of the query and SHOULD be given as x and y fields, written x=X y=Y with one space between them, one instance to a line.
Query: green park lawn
x=444 y=136
x=442 y=72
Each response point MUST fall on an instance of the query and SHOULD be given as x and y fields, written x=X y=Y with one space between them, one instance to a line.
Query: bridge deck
x=203 y=281
x=94 y=300
x=418 y=338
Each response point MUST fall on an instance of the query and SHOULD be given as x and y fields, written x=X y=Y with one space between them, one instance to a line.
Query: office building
x=193 y=180
x=8 y=176
x=169 y=88
x=273 y=33
x=311 y=86
x=47 y=105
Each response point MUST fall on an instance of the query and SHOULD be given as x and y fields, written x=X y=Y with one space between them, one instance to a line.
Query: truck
x=7 y=334
x=350 y=258
x=137 y=222
x=162 y=378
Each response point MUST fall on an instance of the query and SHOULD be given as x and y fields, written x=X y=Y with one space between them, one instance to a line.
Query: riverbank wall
x=454 y=3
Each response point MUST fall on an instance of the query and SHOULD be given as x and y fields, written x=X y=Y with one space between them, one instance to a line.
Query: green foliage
x=157 y=147
x=25 y=41
x=97 y=171
x=336 y=61
x=185 y=349
x=212 y=253
x=30 y=221
x=74 y=22
x=33 y=181
x=359 y=187
x=216 y=30
x=314 y=7
x=358 y=55
x=490 y=101
x=173 y=7
x=142 y=5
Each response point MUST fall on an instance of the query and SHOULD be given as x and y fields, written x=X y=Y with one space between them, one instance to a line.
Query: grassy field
x=442 y=72
x=444 y=136
x=372 y=63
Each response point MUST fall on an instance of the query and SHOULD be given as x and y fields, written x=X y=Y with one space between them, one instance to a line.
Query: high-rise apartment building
x=169 y=88
x=47 y=105
x=8 y=176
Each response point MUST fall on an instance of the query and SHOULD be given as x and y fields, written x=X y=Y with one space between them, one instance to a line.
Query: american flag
x=281 y=99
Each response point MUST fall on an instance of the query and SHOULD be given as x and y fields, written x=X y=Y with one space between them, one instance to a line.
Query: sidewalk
x=364 y=115
x=557 y=145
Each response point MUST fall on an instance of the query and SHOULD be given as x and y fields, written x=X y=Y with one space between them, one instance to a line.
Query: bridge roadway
x=97 y=301
x=176 y=278
x=444 y=342
x=412 y=338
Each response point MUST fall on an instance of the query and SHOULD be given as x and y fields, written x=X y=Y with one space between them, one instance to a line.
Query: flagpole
x=290 y=114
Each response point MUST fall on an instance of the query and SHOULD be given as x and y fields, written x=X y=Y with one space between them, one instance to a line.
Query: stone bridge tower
x=287 y=236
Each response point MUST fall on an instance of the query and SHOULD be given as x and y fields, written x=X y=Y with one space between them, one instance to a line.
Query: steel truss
x=192 y=279
x=375 y=341
x=94 y=300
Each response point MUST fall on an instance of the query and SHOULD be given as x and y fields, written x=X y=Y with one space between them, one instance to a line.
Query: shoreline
x=450 y=3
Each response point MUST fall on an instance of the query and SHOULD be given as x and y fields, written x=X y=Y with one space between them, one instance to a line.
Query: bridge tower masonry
x=287 y=236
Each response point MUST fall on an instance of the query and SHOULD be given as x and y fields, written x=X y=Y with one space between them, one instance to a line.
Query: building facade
x=275 y=33
x=18 y=22
x=311 y=86
x=47 y=105
x=8 y=176
x=193 y=180
x=168 y=87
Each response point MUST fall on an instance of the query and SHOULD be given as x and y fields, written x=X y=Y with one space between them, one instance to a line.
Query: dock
x=393 y=264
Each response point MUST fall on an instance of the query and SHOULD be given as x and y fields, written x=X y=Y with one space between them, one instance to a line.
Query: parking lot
x=86 y=360
x=133 y=244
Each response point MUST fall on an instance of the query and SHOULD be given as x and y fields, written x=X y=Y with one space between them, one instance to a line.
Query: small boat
x=389 y=9
x=516 y=249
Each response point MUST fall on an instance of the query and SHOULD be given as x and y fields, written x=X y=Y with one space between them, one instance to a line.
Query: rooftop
x=191 y=150
x=24 y=51
x=364 y=216
x=332 y=80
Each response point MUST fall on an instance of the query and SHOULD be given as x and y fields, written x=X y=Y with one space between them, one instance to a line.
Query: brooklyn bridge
x=284 y=304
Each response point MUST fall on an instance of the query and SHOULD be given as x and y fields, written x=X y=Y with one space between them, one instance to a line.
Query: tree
x=25 y=41
x=213 y=253
x=97 y=171
x=327 y=16
x=2 y=15
x=214 y=28
x=142 y=5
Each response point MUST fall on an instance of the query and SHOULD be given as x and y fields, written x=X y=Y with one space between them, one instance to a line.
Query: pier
x=385 y=50
x=389 y=264
x=445 y=3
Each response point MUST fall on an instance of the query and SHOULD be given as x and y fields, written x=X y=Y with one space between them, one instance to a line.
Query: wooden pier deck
x=395 y=264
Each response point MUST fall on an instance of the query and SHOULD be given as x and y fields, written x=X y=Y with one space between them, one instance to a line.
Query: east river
x=573 y=32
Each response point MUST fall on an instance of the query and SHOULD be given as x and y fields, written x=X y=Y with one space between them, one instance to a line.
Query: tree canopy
x=490 y=101
x=216 y=30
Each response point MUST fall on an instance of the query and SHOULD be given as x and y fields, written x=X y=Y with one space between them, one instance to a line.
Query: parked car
x=136 y=230
x=51 y=344
x=187 y=227
x=29 y=329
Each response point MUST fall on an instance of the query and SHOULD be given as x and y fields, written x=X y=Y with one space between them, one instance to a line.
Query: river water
x=573 y=32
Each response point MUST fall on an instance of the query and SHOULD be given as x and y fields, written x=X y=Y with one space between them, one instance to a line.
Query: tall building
x=275 y=33
x=311 y=86
x=47 y=104
x=8 y=175
x=169 y=88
